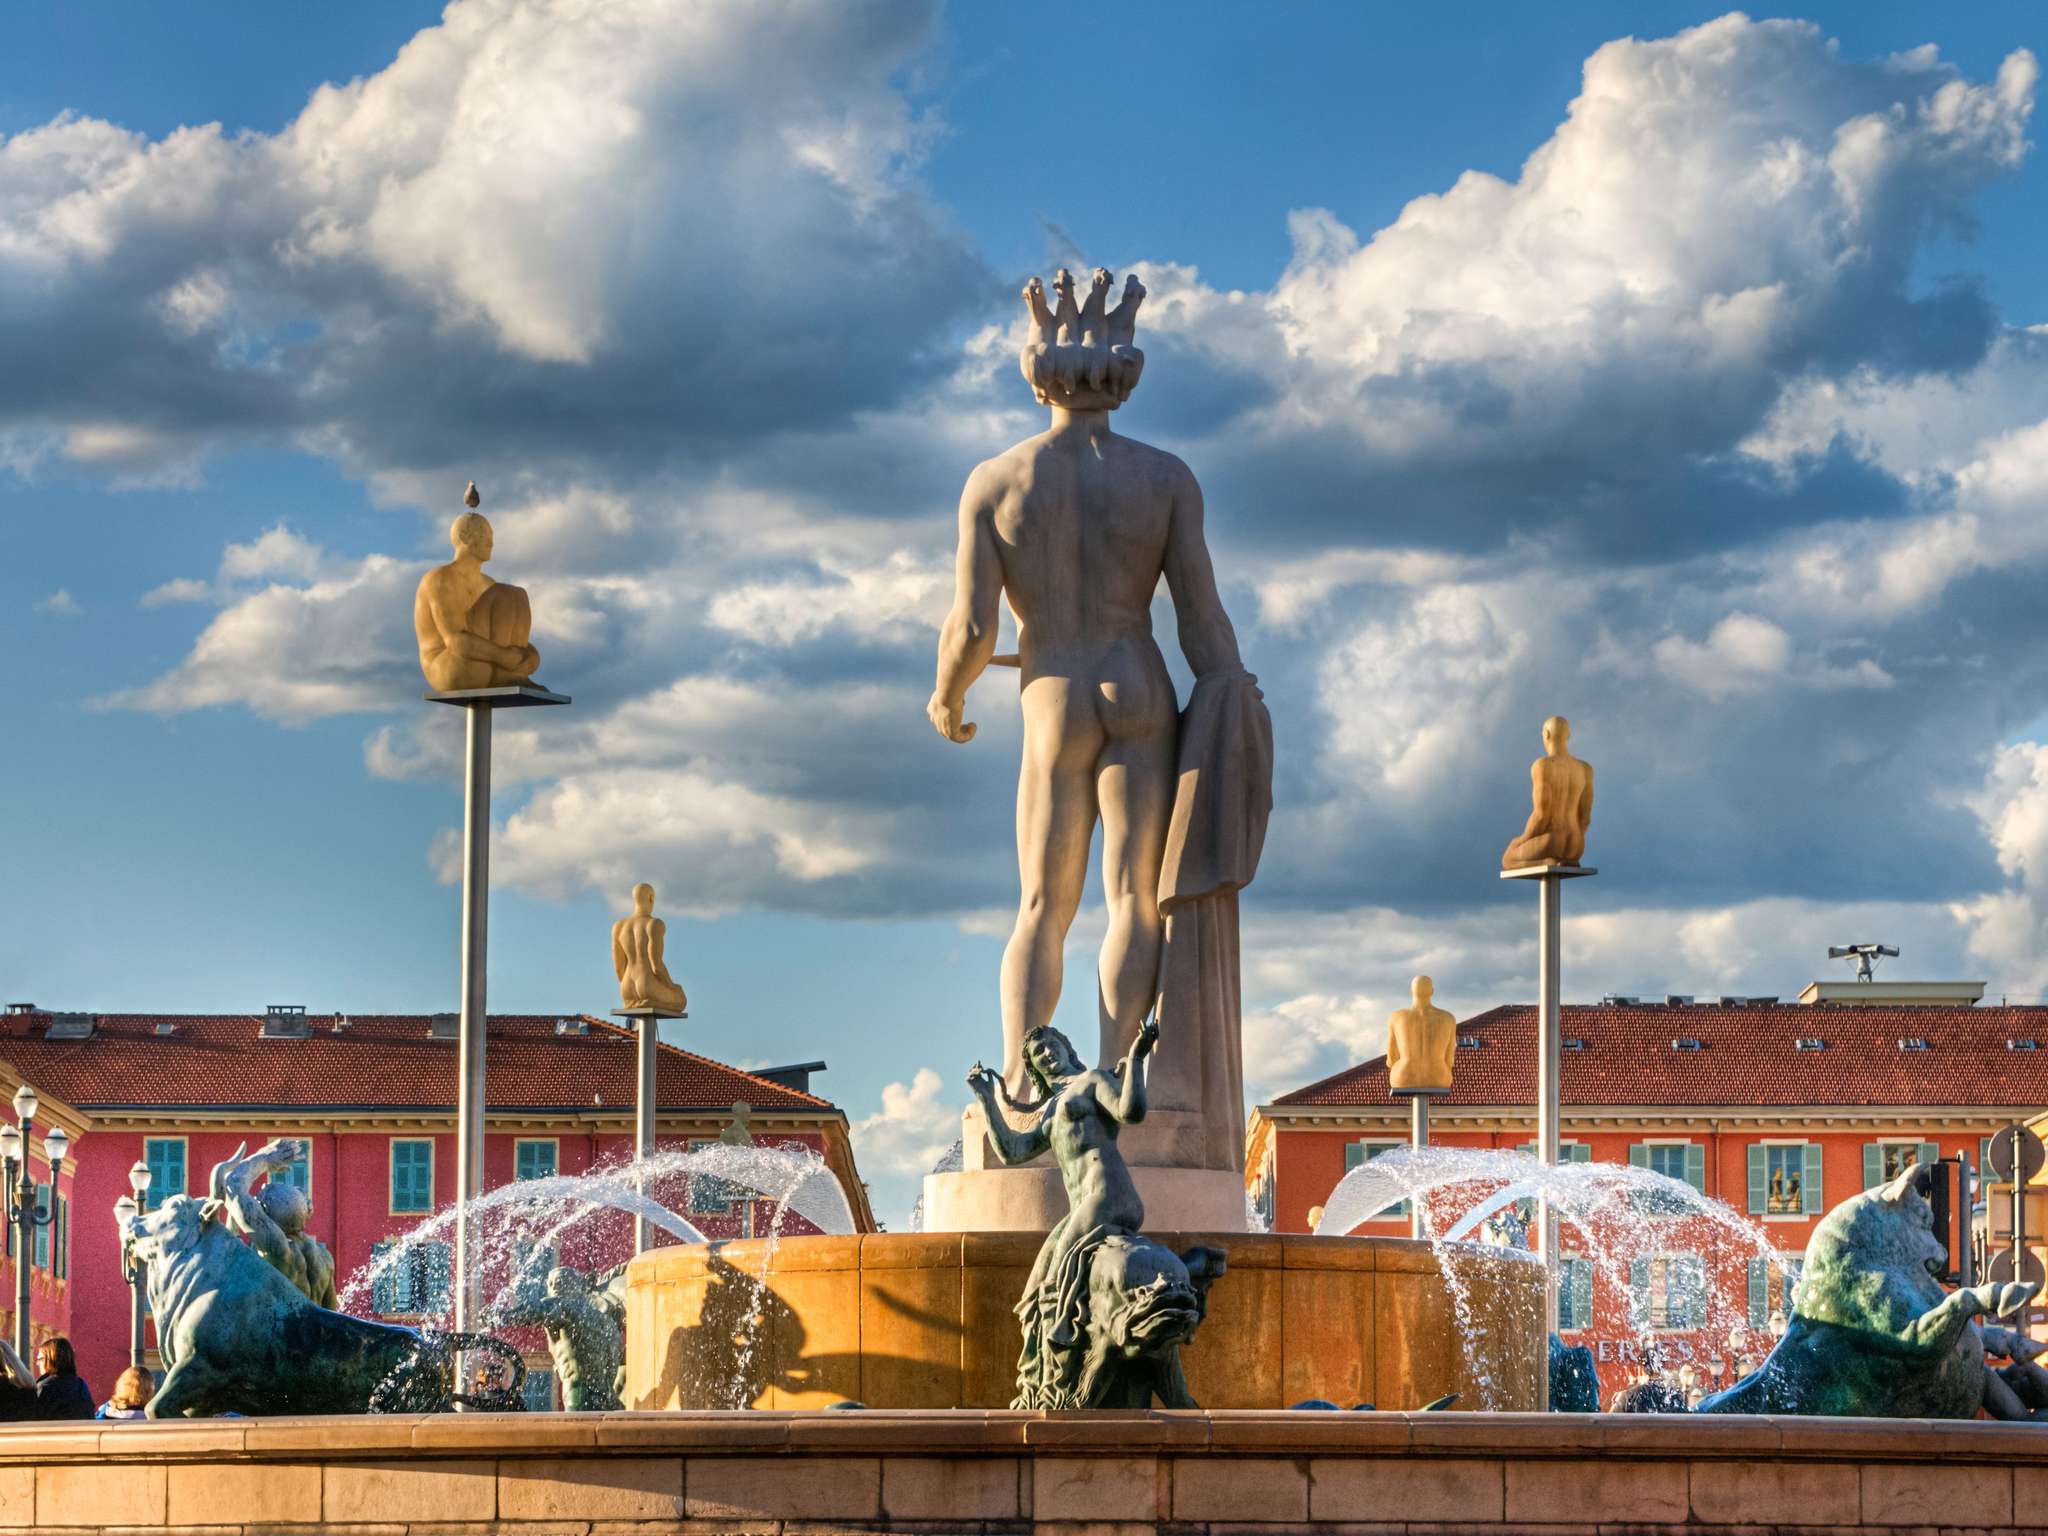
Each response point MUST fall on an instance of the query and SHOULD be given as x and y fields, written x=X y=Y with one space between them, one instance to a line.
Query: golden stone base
x=924 y=1320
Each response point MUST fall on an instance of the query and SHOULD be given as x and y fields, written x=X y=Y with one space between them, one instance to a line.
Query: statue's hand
x=945 y=713
x=981 y=1079
x=274 y=1154
x=1148 y=1037
x=2001 y=1298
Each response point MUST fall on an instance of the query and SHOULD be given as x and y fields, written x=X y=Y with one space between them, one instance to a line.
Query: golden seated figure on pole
x=473 y=632
x=1422 y=1043
x=645 y=985
x=1561 y=795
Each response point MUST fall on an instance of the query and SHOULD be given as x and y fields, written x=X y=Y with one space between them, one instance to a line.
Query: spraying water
x=1640 y=1234
x=579 y=1219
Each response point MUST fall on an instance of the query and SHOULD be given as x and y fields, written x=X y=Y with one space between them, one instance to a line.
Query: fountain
x=1044 y=1198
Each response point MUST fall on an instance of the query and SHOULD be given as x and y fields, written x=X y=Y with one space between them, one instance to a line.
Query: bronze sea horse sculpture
x=1106 y=1309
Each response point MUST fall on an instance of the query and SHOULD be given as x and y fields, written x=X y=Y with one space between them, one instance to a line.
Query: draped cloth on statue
x=1213 y=842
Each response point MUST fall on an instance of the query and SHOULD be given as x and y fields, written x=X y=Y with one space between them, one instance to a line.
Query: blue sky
x=1720 y=428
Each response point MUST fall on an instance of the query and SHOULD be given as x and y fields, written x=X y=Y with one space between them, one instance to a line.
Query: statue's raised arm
x=1012 y=1144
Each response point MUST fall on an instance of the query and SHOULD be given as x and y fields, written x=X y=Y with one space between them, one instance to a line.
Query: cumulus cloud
x=623 y=236
x=903 y=1140
x=2008 y=927
x=59 y=602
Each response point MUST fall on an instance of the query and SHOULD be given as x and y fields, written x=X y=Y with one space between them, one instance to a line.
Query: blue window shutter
x=1759 y=1181
x=1810 y=1188
x=1873 y=1164
x=439 y=1278
x=1759 y=1293
x=1696 y=1167
x=383 y=1290
x=165 y=1157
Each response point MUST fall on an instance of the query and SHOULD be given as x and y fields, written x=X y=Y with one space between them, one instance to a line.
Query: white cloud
x=2009 y=927
x=59 y=602
x=904 y=1140
x=339 y=644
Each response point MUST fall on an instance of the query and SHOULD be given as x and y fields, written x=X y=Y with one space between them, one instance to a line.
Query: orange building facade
x=1780 y=1111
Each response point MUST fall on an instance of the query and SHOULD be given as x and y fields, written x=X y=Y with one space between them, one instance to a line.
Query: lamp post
x=126 y=1209
x=15 y=1142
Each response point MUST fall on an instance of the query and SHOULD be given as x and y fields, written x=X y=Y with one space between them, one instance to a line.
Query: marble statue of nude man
x=1076 y=526
x=638 y=942
x=1561 y=804
x=473 y=632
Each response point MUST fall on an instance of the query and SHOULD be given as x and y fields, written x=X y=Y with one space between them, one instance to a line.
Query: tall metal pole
x=135 y=1349
x=24 y=1236
x=1418 y=1138
x=1549 y=880
x=476 y=920
x=645 y=1104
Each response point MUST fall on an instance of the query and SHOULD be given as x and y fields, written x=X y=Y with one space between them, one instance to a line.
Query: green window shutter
x=1696 y=1167
x=1759 y=1293
x=1759 y=1181
x=1639 y=1291
x=42 y=1246
x=1873 y=1164
x=1638 y=1155
x=1582 y=1292
x=166 y=1159
x=62 y=1257
x=1354 y=1154
x=1578 y=1152
x=1695 y=1292
x=1929 y=1154
x=412 y=1175
x=534 y=1160
x=1811 y=1202
x=1527 y=1148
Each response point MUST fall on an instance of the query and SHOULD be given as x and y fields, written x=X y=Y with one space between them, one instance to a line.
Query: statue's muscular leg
x=1134 y=785
x=1055 y=823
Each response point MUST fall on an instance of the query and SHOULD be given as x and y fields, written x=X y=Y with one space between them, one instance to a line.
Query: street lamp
x=126 y=1209
x=26 y=1215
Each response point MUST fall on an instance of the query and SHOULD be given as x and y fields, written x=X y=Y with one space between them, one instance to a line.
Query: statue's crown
x=1081 y=356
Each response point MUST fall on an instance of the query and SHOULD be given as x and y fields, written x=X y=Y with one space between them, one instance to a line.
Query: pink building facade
x=182 y=1093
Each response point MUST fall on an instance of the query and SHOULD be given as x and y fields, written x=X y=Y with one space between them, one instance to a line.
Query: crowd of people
x=55 y=1390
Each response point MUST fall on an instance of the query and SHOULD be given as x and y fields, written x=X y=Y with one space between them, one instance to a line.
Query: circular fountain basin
x=924 y=1320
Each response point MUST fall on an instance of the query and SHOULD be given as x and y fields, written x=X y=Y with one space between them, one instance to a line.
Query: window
x=1685 y=1161
x=538 y=1390
x=1884 y=1161
x=1574 y=1293
x=299 y=1172
x=412 y=1176
x=533 y=1159
x=709 y=1194
x=165 y=1156
x=1359 y=1152
x=1668 y=1291
x=1784 y=1179
x=1772 y=1284
x=42 y=1248
x=417 y=1280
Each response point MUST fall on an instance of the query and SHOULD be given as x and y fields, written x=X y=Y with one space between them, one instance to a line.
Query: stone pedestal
x=985 y=1196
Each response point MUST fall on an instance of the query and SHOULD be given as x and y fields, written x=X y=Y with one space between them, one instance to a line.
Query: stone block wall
x=921 y=1473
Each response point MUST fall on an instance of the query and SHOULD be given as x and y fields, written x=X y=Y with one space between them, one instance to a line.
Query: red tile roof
x=1746 y=1056
x=383 y=1061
